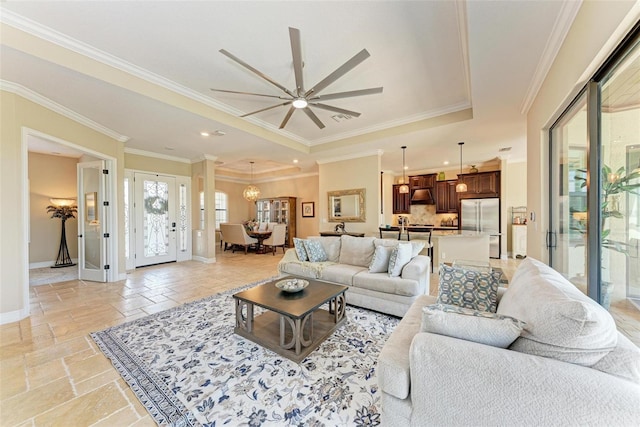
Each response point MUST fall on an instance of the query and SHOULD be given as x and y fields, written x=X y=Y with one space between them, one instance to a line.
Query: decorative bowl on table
x=292 y=285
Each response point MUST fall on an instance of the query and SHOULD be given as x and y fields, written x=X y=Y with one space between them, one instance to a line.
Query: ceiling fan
x=302 y=99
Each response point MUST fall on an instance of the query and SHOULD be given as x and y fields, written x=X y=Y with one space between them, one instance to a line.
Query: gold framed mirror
x=347 y=205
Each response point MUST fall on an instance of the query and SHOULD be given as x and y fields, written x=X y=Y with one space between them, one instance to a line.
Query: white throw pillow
x=380 y=260
x=471 y=325
x=400 y=256
x=562 y=322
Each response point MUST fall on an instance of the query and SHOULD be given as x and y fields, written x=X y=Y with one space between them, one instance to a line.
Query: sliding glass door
x=594 y=230
x=568 y=242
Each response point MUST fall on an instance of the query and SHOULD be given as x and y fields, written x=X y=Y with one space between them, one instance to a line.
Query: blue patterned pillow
x=469 y=288
x=315 y=251
x=400 y=256
x=300 y=250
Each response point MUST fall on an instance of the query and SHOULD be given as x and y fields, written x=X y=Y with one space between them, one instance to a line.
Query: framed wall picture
x=90 y=200
x=308 y=209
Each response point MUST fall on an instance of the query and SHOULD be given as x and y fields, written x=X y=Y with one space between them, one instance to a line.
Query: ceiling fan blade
x=336 y=109
x=313 y=117
x=287 y=117
x=341 y=71
x=247 y=93
x=348 y=94
x=255 y=71
x=268 y=108
x=296 y=53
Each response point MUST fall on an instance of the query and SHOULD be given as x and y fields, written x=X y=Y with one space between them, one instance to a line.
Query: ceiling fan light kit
x=299 y=99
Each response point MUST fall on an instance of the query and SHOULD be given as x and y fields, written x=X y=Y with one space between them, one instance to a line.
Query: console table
x=335 y=233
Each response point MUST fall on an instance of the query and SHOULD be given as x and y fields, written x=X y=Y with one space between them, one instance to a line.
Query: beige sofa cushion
x=357 y=250
x=394 y=372
x=382 y=282
x=562 y=322
x=341 y=273
x=623 y=361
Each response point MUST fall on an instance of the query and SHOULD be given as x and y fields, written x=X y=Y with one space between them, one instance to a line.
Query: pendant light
x=404 y=188
x=251 y=193
x=461 y=187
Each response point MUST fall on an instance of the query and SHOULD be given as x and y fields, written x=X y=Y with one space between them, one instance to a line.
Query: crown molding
x=60 y=109
x=41 y=31
x=395 y=123
x=204 y=157
x=463 y=27
x=561 y=28
x=137 y=152
x=221 y=177
x=349 y=157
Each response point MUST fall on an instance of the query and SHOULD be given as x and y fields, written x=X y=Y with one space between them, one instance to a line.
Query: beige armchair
x=236 y=235
x=277 y=238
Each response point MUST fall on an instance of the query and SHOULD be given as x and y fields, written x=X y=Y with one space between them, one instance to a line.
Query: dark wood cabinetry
x=481 y=184
x=401 y=202
x=446 y=197
x=422 y=181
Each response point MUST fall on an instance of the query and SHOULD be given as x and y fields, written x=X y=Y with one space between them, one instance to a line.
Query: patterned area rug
x=188 y=368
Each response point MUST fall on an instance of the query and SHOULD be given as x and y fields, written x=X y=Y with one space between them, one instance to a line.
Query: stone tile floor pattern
x=52 y=373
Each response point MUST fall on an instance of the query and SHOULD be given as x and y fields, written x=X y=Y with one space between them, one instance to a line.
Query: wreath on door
x=156 y=205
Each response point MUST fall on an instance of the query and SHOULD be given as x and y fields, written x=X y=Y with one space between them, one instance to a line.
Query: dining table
x=260 y=235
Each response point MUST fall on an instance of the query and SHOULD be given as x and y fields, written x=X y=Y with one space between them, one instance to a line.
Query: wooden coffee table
x=294 y=324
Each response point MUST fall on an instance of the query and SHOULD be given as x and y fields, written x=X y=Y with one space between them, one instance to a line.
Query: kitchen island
x=449 y=246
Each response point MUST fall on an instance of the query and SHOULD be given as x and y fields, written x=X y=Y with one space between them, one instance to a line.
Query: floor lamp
x=63 y=209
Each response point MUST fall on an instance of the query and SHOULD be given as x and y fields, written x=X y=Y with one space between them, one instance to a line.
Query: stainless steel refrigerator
x=483 y=215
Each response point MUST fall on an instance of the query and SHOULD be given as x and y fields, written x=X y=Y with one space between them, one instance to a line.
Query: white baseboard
x=47 y=263
x=13 y=316
x=203 y=259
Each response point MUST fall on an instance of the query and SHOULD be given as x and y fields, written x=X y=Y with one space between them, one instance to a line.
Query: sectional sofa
x=568 y=365
x=348 y=261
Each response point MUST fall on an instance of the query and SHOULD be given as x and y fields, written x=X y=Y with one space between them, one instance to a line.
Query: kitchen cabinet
x=481 y=185
x=446 y=197
x=401 y=202
x=422 y=181
x=281 y=210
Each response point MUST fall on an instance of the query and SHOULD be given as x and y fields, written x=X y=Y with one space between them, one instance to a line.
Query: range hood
x=422 y=196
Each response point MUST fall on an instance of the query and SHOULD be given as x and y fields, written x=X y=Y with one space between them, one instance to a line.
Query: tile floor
x=52 y=373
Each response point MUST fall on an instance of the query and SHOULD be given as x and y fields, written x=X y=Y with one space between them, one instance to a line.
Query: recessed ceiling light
x=446 y=162
x=204 y=133
x=295 y=160
x=169 y=148
x=504 y=149
x=406 y=168
x=219 y=133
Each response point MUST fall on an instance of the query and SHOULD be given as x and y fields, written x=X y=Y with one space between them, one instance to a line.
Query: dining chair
x=277 y=238
x=236 y=235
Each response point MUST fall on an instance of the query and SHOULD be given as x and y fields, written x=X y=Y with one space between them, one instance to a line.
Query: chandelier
x=251 y=192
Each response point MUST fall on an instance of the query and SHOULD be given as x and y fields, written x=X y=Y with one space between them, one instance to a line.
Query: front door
x=92 y=220
x=155 y=219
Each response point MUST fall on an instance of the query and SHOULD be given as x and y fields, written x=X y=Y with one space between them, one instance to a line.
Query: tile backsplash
x=425 y=214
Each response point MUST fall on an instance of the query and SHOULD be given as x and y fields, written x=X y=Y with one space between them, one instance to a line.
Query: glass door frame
x=594 y=168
